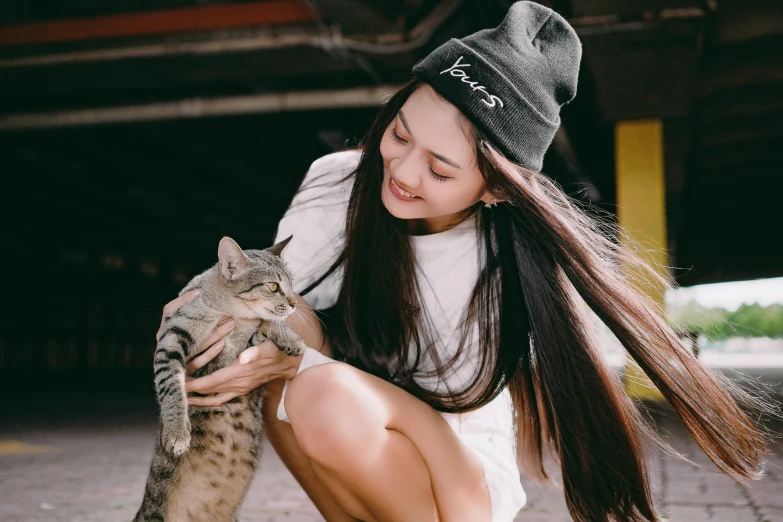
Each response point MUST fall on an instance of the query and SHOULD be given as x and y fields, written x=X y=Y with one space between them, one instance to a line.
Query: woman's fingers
x=204 y=357
x=257 y=365
x=213 y=400
x=212 y=382
x=173 y=306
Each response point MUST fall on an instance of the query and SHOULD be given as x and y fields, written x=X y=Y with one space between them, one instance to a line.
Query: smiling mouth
x=401 y=192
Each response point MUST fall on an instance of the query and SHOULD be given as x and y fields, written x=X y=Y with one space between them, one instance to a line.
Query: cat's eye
x=273 y=287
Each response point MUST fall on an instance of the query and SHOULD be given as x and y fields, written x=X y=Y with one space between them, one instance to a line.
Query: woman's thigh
x=281 y=436
x=352 y=422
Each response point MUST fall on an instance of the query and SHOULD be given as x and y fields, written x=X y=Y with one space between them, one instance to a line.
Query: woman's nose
x=406 y=171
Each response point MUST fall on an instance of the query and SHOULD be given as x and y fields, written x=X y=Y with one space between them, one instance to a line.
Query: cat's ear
x=233 y=262
x=277 y=249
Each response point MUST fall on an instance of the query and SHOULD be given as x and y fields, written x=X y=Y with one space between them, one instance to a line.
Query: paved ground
x=65 y=465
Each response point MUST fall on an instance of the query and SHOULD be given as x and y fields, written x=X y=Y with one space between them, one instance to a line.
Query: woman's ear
x=489 y=200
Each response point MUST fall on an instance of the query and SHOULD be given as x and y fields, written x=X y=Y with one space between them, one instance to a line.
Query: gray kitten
x=206 y=457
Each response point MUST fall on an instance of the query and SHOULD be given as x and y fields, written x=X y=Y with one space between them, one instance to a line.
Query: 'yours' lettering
x=456 y=70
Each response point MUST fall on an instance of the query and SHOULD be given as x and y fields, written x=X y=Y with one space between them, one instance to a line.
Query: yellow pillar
x=641 y=212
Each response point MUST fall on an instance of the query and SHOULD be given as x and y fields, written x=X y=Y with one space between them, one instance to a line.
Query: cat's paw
x=294 y=348
x=257 y=339
x=175 y=438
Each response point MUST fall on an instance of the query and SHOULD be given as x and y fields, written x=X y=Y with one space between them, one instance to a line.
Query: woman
x=450 y=273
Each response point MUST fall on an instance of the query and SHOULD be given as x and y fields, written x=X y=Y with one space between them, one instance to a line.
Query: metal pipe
x=262 y=41
x=204 y=107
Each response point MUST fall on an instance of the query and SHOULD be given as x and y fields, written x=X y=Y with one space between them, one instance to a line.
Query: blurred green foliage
x=749 y=320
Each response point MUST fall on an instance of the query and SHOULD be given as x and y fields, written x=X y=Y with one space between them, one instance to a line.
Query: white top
x=447 y=270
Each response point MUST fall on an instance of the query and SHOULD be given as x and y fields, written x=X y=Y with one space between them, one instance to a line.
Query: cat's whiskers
x=314 y=314
x=296 y=315
x=308 y=307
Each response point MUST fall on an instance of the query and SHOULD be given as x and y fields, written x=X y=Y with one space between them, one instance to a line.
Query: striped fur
x=206 y=457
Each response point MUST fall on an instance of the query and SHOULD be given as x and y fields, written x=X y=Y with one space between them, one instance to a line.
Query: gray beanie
x=511 y=81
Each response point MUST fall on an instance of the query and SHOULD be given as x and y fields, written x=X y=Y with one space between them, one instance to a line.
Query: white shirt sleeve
x=316 y=220
x=310 y=358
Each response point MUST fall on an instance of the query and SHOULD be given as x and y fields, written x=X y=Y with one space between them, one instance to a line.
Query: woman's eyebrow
x=444 y=159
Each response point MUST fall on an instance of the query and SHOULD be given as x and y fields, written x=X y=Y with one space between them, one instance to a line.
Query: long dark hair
x=542 y=256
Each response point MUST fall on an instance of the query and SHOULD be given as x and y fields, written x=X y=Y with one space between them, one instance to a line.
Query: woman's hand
x=255 y=366
x=209 y=348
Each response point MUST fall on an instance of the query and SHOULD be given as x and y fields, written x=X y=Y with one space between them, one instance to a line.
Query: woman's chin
x=397 y=208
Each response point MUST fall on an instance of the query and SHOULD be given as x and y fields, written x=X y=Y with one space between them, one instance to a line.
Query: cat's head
x=257 y=281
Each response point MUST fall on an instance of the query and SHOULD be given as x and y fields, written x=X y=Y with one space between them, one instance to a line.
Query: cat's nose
x=292 y=305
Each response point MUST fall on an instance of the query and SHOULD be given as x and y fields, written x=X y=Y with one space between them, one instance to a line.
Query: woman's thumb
x=248 y=355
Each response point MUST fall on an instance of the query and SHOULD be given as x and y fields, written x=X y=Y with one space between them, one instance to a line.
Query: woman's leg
x=306 y=324
x=407 y=472
x=298 y=463
x=382 y=453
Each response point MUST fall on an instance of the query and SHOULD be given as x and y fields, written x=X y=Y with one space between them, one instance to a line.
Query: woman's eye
x=435 y=175
x=396 y=136
x=273 y=287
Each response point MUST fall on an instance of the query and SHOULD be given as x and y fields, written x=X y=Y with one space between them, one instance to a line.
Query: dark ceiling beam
x=629 y=8
x=741 y=112
x=644 y=68
x=767 y=128
x=752 y=149
x=741 y=20
x=730 y=160
x=363 y=17
x=189 y=19
x=753 y=63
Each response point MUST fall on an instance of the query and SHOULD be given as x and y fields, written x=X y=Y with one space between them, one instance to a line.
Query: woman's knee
x=333 y=414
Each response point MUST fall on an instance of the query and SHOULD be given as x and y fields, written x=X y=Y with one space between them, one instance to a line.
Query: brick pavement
x=97 y=467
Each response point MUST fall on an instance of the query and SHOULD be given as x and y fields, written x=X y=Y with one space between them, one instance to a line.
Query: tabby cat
x=206 y=457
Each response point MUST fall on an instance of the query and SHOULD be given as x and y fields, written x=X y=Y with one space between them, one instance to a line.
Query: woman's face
x=430 y=173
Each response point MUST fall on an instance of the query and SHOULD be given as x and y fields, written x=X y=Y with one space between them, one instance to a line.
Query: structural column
x=641 y=212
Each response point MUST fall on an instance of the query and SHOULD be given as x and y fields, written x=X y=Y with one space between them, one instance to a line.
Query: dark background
x=103 y=223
